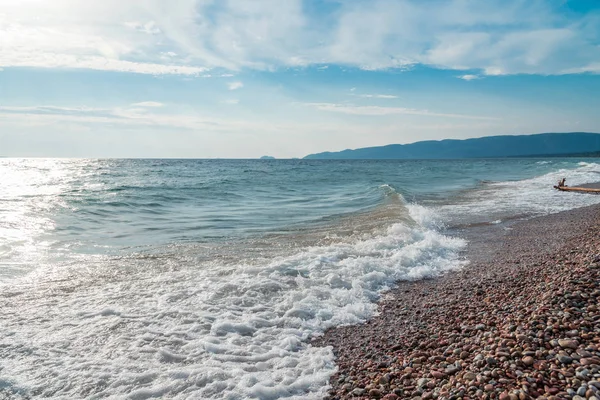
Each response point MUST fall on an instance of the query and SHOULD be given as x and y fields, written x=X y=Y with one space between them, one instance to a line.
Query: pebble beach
x=520 y=321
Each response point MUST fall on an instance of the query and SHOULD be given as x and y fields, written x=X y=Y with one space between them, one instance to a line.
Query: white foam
x=175 y=328
x=535 y=196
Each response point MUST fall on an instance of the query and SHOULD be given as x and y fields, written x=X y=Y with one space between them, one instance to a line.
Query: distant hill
x=267 y=158
x=546 y=144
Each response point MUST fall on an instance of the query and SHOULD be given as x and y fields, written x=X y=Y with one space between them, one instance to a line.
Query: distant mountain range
x=542 y=144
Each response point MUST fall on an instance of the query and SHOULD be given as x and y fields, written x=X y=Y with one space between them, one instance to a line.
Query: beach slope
x=520 y=321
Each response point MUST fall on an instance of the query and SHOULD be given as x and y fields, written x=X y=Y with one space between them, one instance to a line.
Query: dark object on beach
x=562 y=187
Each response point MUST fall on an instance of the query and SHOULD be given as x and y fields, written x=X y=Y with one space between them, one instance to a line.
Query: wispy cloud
x=148 y=104
x=378 y=96
x=41 y=60
x=592 y=67
x=131 y=117
x=235 y=85
x=468 y=77
x=191 y=36
x=122 y=116
x=231 y=101
x=56 y=110
x=149 y=27
x=382 y=111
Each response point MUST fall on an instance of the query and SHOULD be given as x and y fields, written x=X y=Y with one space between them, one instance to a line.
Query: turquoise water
x=207 y=278
x=111 y=205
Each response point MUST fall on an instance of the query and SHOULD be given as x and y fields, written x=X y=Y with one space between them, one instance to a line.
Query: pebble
x=422 y=382
x=564 y=359
x=469 y=376
x=584 y=373
x=584 y=353
x=507 y=331
x=568 y=343
x=438 y=374
x=491 y=361
x=528 y=360
x=453 y=369
x=589 y=361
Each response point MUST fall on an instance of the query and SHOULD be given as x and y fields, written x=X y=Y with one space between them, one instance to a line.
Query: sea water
x=208 y=278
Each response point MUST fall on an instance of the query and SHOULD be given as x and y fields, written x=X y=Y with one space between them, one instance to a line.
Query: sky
x=286 y=78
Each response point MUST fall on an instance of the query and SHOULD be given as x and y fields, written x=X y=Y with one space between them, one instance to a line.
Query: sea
x=207 y=279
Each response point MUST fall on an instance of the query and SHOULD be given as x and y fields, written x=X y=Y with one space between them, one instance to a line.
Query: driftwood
x=561 y=186
x=576 y=189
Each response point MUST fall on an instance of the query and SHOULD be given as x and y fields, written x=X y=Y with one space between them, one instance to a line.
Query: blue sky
x=241 y=78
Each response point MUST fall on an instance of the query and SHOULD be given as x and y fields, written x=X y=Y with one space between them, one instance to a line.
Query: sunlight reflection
x=29 y=199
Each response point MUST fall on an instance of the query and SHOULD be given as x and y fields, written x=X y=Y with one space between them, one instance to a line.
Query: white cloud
x=231 y=101
x=152 y=132
x=378 y=96
x=128 y=116
x=468 y=77
x=205 y=131
x=149 y=27
x=235 y=85
x=99 y=63
x=382 y=111
x=148 y=104
x=73 y=34
x=191 y=36
x=593 y=68
x=54 y=110
x=24 y=45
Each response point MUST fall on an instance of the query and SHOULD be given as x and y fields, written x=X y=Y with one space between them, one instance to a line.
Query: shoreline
x=520 y=321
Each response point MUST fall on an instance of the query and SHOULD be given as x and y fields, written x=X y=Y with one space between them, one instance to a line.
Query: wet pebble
x=502 y=330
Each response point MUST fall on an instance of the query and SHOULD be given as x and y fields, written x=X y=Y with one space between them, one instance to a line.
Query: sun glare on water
x=31 y=192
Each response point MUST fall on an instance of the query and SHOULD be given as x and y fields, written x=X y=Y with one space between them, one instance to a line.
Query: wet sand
x=520 y=321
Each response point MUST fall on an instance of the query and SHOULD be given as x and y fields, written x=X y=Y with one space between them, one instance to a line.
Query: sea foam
x=495 y=201
x=178 y=327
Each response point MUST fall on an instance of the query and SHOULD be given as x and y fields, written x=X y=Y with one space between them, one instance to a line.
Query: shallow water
x=206 y=278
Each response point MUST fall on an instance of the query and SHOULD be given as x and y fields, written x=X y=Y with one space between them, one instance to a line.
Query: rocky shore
x=521 y=321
